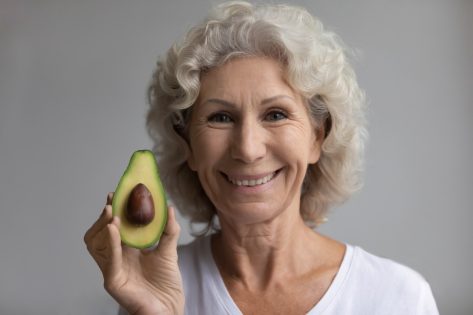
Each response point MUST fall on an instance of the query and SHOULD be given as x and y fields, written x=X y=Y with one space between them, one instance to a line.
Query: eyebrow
x=265 y=101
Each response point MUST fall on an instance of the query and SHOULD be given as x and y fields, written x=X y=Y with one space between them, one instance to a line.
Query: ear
x=318 y=137
x=190 y=156
x=184 y=143
x=190 y=159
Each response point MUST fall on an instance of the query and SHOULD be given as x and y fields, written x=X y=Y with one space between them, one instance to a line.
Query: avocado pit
x=140 y=206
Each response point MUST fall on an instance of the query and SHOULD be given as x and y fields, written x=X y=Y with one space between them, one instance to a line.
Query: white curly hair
x=315 y=64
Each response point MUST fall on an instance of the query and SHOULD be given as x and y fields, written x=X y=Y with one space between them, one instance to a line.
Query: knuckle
x=110 y=285
x=108 y=210
x=87 y=237
x=177 y=228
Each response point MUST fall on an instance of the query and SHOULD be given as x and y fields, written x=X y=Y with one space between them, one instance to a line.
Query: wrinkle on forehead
x=234 y=82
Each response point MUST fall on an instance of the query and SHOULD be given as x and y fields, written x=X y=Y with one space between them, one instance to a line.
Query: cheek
x=294 y=143
x=207 y=147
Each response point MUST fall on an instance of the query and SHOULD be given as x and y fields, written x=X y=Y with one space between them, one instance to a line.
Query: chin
x=249 y=214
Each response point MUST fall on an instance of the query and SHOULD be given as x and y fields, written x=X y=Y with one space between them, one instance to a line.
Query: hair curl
x=315 y=64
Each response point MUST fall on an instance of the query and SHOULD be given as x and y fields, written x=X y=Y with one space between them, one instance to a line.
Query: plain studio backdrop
x=73 y=79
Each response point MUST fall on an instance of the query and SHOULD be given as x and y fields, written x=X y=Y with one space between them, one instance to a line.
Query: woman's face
x=251 y=140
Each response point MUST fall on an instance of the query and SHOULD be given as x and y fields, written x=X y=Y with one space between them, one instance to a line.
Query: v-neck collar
x=223 y=296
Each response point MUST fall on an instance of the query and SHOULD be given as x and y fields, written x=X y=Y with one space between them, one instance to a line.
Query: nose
x=248 y=142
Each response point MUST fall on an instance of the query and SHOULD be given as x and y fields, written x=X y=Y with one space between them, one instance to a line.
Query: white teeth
x=252 y=182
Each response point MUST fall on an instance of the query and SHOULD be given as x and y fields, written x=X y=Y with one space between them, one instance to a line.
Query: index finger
x=104 y=219
x=109 y=198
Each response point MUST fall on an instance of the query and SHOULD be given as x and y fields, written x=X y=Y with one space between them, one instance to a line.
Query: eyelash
x=282 y=115
x=217 y=118
x=221 y=117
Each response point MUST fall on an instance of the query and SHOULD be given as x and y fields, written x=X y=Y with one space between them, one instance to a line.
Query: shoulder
x=388 y=283
x=188 y=254
x=193 y=251
x=371 y=267
x=200 y=278
x=194 y=260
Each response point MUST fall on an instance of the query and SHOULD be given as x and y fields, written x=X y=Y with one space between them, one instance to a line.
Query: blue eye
x=275 y=116
x=220 y=118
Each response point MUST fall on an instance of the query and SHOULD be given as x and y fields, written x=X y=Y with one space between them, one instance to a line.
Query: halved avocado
x=142 y=169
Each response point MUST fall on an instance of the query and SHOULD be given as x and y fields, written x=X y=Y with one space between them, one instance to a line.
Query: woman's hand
x=142 y=281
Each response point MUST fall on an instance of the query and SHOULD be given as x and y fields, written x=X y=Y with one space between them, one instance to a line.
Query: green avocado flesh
x=141 y=169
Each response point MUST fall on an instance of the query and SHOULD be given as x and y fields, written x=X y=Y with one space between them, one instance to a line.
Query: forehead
x=245 y=77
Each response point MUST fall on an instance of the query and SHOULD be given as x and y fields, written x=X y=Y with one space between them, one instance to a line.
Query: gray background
x=73 y=76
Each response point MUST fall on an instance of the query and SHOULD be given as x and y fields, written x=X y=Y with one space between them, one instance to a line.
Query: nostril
x=248 y=149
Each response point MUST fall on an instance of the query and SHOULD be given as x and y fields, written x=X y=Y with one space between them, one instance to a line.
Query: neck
x=259 y=255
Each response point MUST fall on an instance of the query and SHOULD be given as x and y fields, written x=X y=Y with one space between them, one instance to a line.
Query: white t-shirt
x=365 y=284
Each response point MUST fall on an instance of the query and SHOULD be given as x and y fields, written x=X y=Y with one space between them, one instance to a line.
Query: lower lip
x=253 y=189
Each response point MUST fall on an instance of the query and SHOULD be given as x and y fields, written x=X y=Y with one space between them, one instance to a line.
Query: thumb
x=168 y=242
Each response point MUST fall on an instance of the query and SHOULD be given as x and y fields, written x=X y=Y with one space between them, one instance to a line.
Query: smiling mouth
x=252 y=182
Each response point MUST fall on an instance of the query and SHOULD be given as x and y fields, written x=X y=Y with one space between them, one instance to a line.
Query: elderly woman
x=258 y=123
